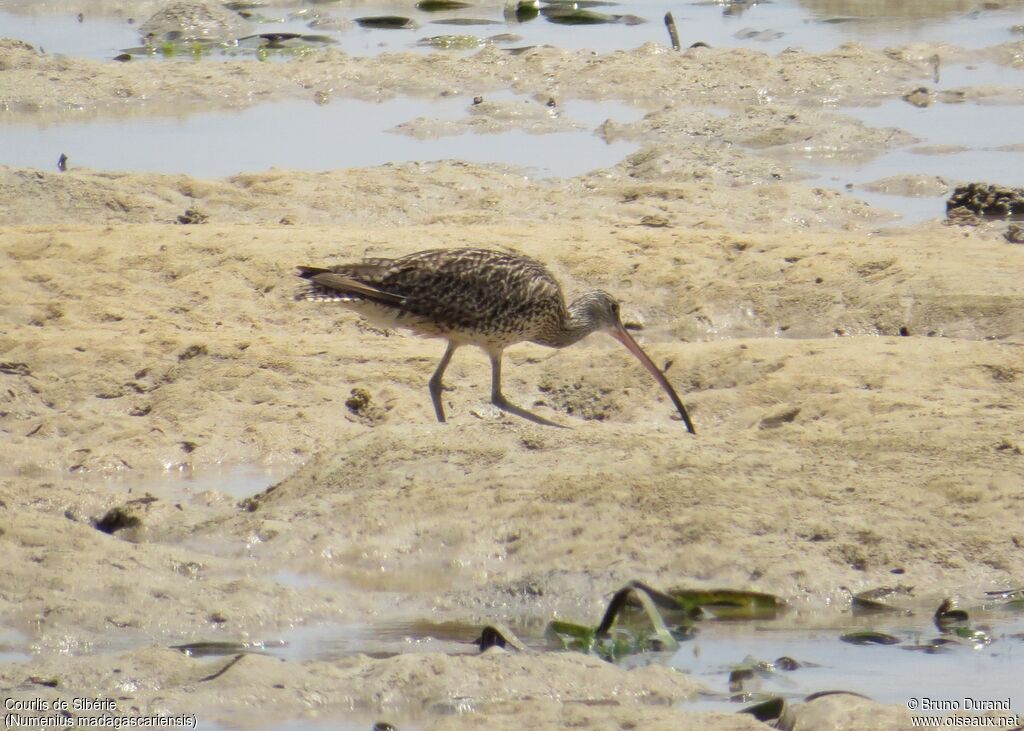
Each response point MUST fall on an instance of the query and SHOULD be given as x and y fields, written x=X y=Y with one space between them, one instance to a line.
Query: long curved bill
x=622 y=335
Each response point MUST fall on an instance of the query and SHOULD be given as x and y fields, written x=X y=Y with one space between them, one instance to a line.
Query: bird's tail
x=346 y=284
x=313 y=292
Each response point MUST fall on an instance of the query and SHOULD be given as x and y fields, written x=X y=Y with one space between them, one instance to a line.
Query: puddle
x=889 y=675
x=296 y=580
x=886 y=674
x=235 y=481
x=959 y=75
x=95 y=37
x=975 y=126
x=300 y=135
x=768 y=26
x=14 y=647
x=334 y=641
x=957 y=142
x=988 y=166
x=303 y=135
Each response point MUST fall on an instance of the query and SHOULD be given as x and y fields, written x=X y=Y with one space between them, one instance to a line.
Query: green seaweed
x=217 y=648
x=869 y=637
x=729 y=604
x=385 y=22
x=871 y=601
x=621 y=632
x=765 y=711
x=433 y=6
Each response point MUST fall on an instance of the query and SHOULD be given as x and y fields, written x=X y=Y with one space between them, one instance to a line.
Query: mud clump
x=360 y=404
x=192 y=216
x=188 y=20
x=358 y=400
x=986 y=200
x=116 y=519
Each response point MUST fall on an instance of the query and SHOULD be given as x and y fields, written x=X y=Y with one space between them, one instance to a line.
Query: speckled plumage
x=473 y=296
x=480 y=297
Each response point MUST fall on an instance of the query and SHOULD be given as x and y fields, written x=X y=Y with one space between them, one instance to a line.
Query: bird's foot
x=505 y=405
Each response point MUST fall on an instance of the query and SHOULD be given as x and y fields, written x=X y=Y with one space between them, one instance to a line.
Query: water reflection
x=815 y=25
x=886 y=674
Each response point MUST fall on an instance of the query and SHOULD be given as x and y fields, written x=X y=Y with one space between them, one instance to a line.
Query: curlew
x=479 y=297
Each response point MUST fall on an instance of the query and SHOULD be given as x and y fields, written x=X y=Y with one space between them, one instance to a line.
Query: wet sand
x=858 y=393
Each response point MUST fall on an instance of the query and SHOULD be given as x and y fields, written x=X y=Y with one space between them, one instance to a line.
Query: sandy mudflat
x=831 y=449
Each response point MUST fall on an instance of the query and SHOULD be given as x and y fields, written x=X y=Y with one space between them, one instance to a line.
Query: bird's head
x=599 y=310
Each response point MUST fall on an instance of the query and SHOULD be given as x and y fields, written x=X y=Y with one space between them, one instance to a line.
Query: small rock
x=15 y=369
x=191 y=352
x=782 y=415
x=192 y=216
x=912 y=186
x=1008 y=447
x=117 y=519
x=654 y=221
x=358 y=401
x=920 y=97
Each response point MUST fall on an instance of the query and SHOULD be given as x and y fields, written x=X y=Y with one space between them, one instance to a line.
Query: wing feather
x=348 y=286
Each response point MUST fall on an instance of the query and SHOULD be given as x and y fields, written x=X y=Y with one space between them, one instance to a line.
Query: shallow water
x=62 y=33
x=306 y=136
x=13 y=646
x=887 y=674
x=769 y=26
x=956 y=142
x=236 y=481
x=303 y=135
x=332 y=641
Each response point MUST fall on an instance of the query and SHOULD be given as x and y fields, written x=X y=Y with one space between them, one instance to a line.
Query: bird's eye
x=615 y=308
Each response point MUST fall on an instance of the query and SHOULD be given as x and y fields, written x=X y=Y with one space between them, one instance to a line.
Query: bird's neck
x=573 y=325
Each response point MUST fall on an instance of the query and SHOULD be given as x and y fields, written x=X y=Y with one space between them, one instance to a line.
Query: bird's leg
x=435 y=381
x=499 y=400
